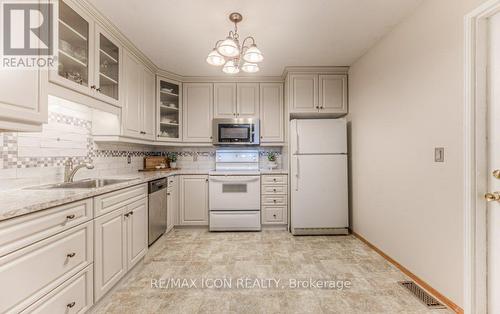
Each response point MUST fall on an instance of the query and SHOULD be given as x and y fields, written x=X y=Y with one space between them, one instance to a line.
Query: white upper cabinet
x=197 y=112
x=271 y=113
x=107 y=66
x=236 y=100
x=317 y=94
x=89 y=57
x=248 y=100
x=303 y=93
x=132 y=110
x=225 y=100
x=333 y=93
x=168 y=110
x=149 y=103
x=138 y=112
x=22 y=108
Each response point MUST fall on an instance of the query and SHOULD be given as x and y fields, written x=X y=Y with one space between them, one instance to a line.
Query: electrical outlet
x=439 y=154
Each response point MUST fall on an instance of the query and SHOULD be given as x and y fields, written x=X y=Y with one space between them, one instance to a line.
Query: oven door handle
x=228 y=179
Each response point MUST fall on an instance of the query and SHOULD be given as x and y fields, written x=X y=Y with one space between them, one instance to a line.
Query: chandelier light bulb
x=230 y=68
x=250 y=67
x=214 y=58
x=228 y=48
x=253 y=54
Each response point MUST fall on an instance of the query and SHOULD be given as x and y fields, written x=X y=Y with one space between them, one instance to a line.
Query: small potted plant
x=172 y=159
x=271 y=157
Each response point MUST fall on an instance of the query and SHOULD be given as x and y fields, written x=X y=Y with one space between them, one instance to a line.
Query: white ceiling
x=178 y=34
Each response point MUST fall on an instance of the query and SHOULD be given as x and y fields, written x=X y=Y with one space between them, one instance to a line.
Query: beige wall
x=406 y=97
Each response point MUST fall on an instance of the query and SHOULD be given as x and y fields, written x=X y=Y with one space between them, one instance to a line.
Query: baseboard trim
x=420 y=282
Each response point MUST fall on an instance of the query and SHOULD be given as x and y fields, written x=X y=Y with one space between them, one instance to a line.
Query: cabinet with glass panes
x=169 y=111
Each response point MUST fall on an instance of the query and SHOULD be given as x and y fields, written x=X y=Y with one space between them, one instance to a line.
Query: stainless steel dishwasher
x=157 y=209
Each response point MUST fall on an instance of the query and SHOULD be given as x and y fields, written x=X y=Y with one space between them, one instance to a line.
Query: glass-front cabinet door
x=169 y=110
x=74 y=58
x=108 y=60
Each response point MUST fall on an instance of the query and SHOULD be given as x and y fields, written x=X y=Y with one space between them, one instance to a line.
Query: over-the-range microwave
x=244 y=131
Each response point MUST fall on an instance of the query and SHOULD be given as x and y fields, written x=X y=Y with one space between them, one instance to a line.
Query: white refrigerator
x=319 y=179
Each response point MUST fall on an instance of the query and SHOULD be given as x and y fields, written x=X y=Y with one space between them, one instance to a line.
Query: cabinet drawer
x=274 y=179
x=274 y=189
x=35 y=270
x=73 y=296
x=22 y=231
x=274 y=199
x=273 y=215
x=108 y=202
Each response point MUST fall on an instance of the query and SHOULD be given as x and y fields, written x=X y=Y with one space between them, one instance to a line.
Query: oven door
x=234 y=193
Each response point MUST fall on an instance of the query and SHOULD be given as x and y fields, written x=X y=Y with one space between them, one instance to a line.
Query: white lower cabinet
x=172 y=202
x=28 y=274
x=121 y=240
x=274 y=199
x=110 y=251
x=137 y=231
x=73 y=296
x=194 y=200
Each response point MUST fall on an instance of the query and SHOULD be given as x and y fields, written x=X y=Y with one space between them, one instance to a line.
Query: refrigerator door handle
x=297 y=175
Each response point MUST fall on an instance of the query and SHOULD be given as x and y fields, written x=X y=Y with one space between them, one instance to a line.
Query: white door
x=319 y=191
x=271 y=113
x=194 y=200
x=248 y=100
x=197 y=112
x=110 y=248
x=319 y=136
x=148 y=103
x=137 y=231
x=132 y=107
x=303 y=93
x=493 y=215
x=333 y=93
x=225 y=100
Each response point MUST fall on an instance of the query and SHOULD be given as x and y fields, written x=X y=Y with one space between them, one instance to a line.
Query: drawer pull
x=127 y=214
x=274 y=190
x=69 y=217
x=274 y=215
x=70 y=305
x=70 y=255
x=274 y=179
x=274 y=201
x=131 y=213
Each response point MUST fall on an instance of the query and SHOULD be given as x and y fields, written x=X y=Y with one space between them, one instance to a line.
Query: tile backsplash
x=38 y=157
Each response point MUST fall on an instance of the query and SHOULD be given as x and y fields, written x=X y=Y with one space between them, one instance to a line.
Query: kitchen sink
x=82 y=184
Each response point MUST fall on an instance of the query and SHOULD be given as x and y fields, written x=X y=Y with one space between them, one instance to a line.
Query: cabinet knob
x=274 y=190
x=168 y=193
x=70 y=255
x=274 y=201
x=317 y=107
x=206 y=180
x=131 y=213
x=98 y=89
x=70 y=305
x=126 y=215
x=69 y=217
x=274 y=215
x=93 y=87
x=274 y=180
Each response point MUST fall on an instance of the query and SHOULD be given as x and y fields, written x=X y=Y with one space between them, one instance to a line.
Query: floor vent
x=422 y=295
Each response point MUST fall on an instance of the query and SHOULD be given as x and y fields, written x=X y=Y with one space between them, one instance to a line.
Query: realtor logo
x=28 y=30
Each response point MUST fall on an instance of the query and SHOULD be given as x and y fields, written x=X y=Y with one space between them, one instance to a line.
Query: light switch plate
x=439 y=154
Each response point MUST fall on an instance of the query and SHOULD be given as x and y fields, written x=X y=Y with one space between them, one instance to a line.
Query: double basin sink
x=81 y=184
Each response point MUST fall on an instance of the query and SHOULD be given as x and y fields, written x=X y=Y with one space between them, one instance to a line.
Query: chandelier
x=233 y=56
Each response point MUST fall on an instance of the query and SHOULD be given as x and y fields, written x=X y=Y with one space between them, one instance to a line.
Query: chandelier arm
x=218 y=43
x=248 y=38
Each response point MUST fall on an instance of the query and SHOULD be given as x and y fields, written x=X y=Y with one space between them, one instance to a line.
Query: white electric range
x=234 y=190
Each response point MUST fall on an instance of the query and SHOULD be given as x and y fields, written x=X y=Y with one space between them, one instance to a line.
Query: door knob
x=496 y=174
x=490 y=197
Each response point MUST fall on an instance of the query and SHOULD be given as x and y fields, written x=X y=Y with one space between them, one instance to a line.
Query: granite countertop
x=16 y=203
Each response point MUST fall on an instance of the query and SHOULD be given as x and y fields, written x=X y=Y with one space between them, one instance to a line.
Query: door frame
x=475 y=156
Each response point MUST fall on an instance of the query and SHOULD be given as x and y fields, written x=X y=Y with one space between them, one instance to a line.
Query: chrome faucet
x=70 y=171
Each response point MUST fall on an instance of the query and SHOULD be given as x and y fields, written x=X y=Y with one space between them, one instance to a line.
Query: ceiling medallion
x=232 y=56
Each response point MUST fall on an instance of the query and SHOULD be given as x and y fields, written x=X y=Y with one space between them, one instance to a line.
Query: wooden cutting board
x=150 y=162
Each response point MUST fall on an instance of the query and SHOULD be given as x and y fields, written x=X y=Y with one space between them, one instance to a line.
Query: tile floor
x=193 y=256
